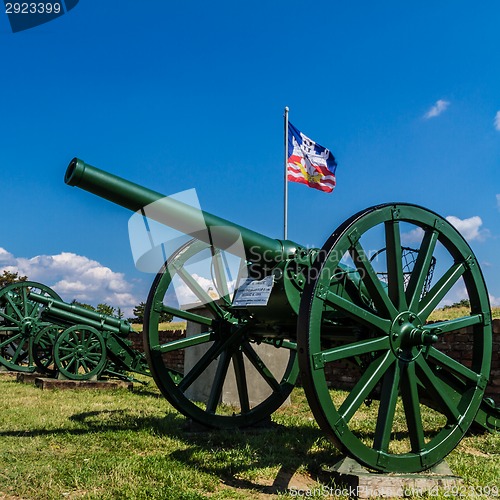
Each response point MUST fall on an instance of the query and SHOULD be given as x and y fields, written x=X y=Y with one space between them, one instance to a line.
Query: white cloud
x=5 y=257
x=438 y=108
x=469 y=228
x=75 y=277
x=184 y=294
x=413 y=236
x=494 y=301
x=496 y=121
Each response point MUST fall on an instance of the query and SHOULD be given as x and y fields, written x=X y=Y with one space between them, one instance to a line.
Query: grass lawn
x=133 y=445
x=458 y=312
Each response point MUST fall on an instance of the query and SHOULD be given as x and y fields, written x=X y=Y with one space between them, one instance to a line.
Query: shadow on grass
x=239 y=456
x=236 y=456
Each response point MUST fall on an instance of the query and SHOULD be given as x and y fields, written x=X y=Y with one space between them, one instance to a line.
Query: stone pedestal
x=275 y=359
x=352 y=480
x=53 y=383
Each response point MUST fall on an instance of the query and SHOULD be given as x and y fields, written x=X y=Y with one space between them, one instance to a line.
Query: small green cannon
x=40 y=331
x=359 y=306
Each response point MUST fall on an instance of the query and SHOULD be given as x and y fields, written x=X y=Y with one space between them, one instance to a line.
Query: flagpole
x=285 y=224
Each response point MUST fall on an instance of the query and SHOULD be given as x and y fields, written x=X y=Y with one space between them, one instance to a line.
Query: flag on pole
x=309 y=163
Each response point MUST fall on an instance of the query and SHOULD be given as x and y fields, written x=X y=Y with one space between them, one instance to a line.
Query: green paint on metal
x=350 y=315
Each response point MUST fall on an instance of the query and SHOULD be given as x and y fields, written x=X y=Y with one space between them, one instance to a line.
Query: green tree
x=462 y=303
x=6 y=278
x=105 y=309
x=83 y=304
x=139 y=314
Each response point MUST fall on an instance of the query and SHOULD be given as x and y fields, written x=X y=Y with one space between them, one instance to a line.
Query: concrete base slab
x=355 y=481
x=7 y=375
x=27 y=378
x=193 y=427
x=51 y=383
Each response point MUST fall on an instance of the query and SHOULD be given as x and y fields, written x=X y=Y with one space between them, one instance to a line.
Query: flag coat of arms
x=309 y=163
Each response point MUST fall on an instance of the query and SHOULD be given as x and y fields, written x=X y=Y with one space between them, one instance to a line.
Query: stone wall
x=343 y=375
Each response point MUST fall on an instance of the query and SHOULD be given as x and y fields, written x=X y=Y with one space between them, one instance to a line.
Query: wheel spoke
x=66 y=349
x=218 y=382
x=34 y=310
x=25 y=301
x=411 y=405
x=354 y=311
x=10 y=319
x=10 y=340
x=202 y=295
x=87 y=340
x=454 y=324
x=9 y=328
x=350 y=350
x=261 y=367
x=241 y=381
x=449 y=364
x=370 y=279
x=387 y=408
x=365 y=385
x=439 y=290
x=421 y=269
x=70 y=364
x=16 y=310
x=212 y=353
x=72 y=342
x=96 y=356
x=434 y=388
x=190 y=341
x=17 y=352
x=220 y=275
x=188 y=316
x=394 y=256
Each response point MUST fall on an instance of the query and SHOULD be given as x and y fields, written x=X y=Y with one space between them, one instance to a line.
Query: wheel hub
x=27 y=326
x=80 y=352
x=408 y=337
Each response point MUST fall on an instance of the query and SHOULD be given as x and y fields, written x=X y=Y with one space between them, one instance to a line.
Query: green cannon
x=40 y=331
x=355 y=313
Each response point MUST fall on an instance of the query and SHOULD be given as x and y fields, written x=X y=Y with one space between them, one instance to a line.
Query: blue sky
x=179 y=95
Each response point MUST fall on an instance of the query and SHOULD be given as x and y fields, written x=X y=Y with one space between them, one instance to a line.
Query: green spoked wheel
x=219 y=350
x=43 y=349
x=408 y=399
x=80 y=353
x=20 y=323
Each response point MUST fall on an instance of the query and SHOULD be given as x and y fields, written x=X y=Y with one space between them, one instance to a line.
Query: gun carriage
x=40 y=331
x=353 y=304
x=327 y=306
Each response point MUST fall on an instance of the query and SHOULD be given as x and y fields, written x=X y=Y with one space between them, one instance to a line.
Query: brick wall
x=458 y=346
x=343 y=374
x=174 y=359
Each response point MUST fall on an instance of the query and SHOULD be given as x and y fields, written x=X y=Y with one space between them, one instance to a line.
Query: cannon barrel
x=72 y=314
x=175 y=214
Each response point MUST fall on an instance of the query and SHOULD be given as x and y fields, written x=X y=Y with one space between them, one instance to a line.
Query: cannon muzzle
x=176 y=214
